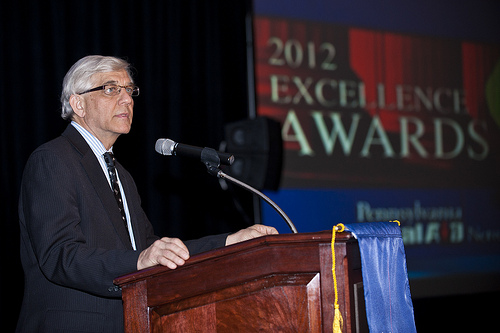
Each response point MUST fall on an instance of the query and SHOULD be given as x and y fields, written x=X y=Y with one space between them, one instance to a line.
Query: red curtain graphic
x=414 y=106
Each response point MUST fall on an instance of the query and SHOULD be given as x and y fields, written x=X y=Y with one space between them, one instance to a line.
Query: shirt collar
x=94 y=143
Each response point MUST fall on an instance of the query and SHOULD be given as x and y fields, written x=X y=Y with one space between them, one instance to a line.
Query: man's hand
x=170 y=252
x=256 y=230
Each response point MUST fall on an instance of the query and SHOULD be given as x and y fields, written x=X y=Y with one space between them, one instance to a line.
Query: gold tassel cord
x=337 y=319
x=399 y=223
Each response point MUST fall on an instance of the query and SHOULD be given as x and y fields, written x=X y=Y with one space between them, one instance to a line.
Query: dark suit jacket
x=73 y=242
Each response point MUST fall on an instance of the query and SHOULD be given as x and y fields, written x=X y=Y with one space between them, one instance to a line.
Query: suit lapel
x=99 y=181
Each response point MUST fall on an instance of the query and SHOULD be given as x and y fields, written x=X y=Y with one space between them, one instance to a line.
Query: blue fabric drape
x=389 y=308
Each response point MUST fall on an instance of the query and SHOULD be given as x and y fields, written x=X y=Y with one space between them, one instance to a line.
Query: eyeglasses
x=114 y=89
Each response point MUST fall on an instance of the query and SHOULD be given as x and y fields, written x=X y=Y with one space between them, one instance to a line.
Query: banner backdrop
x=373 y=108
x=379 y=125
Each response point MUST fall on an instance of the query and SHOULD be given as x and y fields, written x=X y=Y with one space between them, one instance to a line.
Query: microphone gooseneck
x=233 y=180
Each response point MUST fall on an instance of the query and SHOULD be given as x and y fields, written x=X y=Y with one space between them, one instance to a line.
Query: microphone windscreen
x=164 y=146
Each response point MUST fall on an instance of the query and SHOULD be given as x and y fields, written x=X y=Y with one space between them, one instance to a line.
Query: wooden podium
x=276 y=283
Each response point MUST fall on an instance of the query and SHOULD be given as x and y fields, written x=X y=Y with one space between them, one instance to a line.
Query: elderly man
x=81 y=219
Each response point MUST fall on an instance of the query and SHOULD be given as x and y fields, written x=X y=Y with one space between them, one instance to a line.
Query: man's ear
x=77 y=104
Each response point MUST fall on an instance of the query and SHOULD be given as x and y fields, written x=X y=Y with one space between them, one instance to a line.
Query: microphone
x=210 y=157
x=169 y=147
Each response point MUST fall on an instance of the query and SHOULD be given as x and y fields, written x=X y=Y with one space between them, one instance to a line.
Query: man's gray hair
x=78 y=78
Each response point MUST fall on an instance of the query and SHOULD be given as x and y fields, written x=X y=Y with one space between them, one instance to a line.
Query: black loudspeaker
x=257 y=147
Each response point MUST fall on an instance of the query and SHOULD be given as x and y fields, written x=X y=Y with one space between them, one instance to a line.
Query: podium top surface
x=289 y=240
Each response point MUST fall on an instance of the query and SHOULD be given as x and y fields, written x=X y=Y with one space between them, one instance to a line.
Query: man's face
x=106 y=117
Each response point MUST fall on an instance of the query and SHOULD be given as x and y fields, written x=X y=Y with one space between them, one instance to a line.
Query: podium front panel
x=274 y=283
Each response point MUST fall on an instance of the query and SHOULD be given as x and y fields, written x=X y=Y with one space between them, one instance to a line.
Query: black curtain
x=190 y=63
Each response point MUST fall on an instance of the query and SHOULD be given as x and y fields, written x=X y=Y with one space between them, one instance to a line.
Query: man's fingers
x=256 y=230
x=169 y=252
x=174 y=245
x=264 y=230
x=169 y=259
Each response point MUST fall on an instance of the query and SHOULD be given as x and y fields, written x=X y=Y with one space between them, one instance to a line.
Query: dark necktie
x=110 y=162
